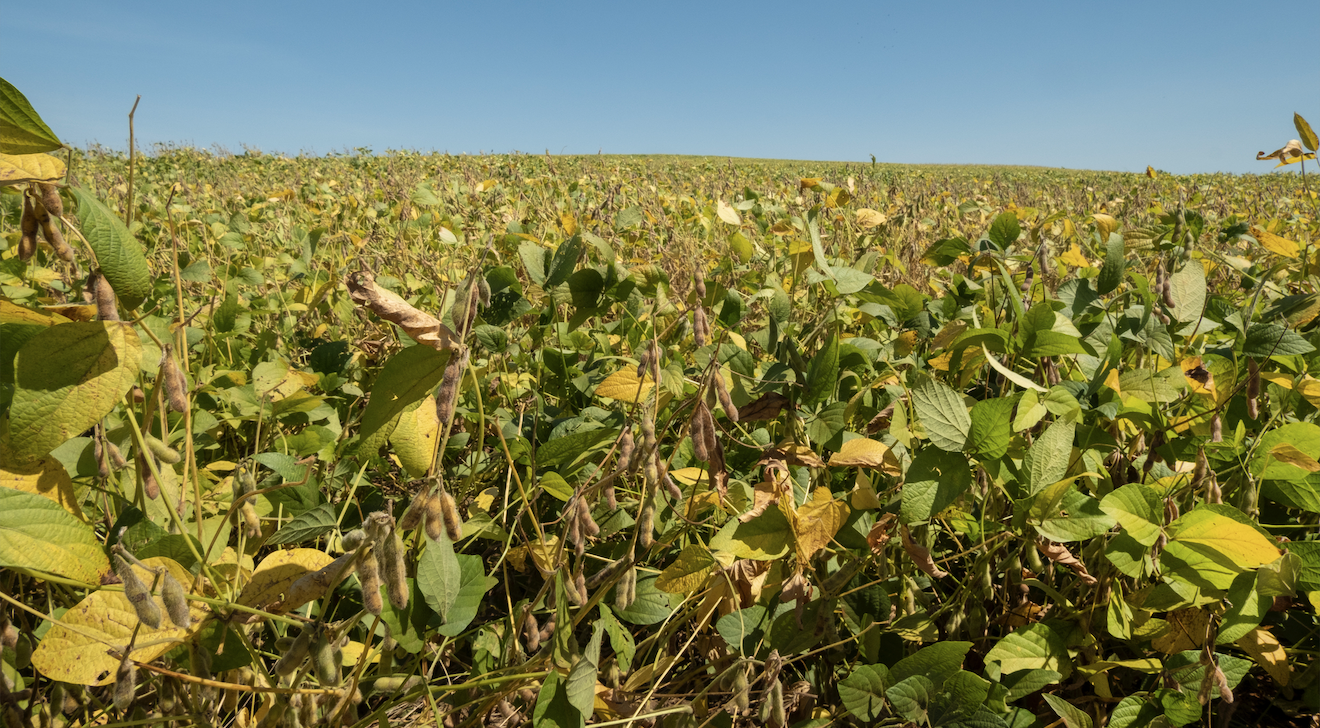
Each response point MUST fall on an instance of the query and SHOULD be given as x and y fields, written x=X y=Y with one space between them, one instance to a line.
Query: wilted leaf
x=861 y=452
x=816 y=522
x=688 y=572
x=1265 y=649
x=726 y=213
x=422 y=327
x=868 y=218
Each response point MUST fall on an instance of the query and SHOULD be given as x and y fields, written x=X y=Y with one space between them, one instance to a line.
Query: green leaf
x=1082 y=519
x=764 y=538
x=740 y=246
x=621 y=640
x=910 y=697
x=1073 y=717
x=688 y=572
x=408 y=626
x=67 y=378
x=817 y=249
x=569 y=448
x=119 y=255
x=1210 y=545
x=744 y=629
x=1266 y=340
x=1305 y=132
x=1189 y=291
x=943 y=414
x=991 y=433
x=863 y=692
x=650 y=605
x=563 y=262
x=37 y=533
x=933 y=481
x=406 y=378
x=1033 y=647
x=580 y=686
x=1138 y=509
x=1005 y=230
x=534 y=259
x=1047 y=459
x=1046 y=332
x=311 y=524
x=21 y=129
x=936 y=662
x=822 y=374
x=472 y=587
x=439 y=575
x=961 y=695
x=553 y=708
x=1111 y=273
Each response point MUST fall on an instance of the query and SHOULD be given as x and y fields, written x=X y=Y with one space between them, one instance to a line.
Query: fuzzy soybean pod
x=435 y=517
x=324 y=662
x=175 y=383
x=391 y=561
x=27 y=242
x=176 y=600
x=163 y=452
x=369 y=577
x=125 y=684
x=449 y=512
x=53 y=235
x=139 y=596
x=296 y=653
x=722 y=393
x=447 y=396
x=50 y=198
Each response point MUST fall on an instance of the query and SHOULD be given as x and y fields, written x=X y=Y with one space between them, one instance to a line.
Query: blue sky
x=1183 y=86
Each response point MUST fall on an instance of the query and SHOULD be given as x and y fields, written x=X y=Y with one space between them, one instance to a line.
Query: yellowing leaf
x=624 y=386
x=1286 y=453
x=807 y=183
x=413 y=438
x=1213 y=544
x=1074 y=257
x=278 y=571
x=868 y=218
x=1309 y=387
x=45 y=477
x=688 y=573
x=1186 y=631
x=1105 y=224
x=838 y=197
x=726 y=213
x=1274 y=243
x=863 y=452
x=1265 y=649
x=74 y=650
x=1150 y=172
x=18 y=168
x=569 y=223
x=904 y=343
x=817 y=521
x=688 y=476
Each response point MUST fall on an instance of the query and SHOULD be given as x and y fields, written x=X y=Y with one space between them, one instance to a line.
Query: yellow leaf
x=863 y=452
x=1309 y=387
x=278 y=571
x=1274 y=243
x=688 y=573
x=284 y=194
x=1265 y=649
x=1105 y=224
x=863 y=496
x=1186 y=631
x=352 y=652
x=798 y=454
x=1111 y=381
x=624 y=386
x=1279 y=378
x=838 y=197
x=74 y=650
x=726 y=213
x=1074 y=257
x=1150 y=172
x=543 y=553
x=45 y=477
x=413 y=439
x=1285 y=453
x=904 y=343
x=486 y=185
x=807 y=183
x=817 y=521
x=12 y=313
x=868 y=218
x=569 y=222
x=783 y=227
x=688 y=476
x=18 y=168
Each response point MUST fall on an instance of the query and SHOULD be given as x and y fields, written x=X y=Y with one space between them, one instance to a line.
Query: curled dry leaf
x=423 y=327
x=920 y=555
x=1060 y=554
x=881 y=533
x=862 y=452
x=767 y=407
x=1287 y=154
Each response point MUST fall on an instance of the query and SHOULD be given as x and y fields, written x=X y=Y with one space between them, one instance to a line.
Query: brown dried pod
x=139 y=596
x=50 y=199
x=768 y=406
x=176 y=384
x=1166 y=291
x=412 y=517
x=125 y=684
x=1028 y=278
x=28 y=225
x=625 y=592
x=611 y=500
x=531 y=631
x=56 y=239
x=392 y=563
x=1221 y=682
x=607 y=573
x=8 y=634
x=627 y=451
x=700 y=326
x=449 y=511
x=699 y=283
x=1201 y=468
x=644 y=361
x=447 y=396
x=176 y=600
x=701 y=436
x=675 y=492
x=648 y=439
x=117 y=460
x=1216 y=428
x=920 y=555
x=722 y=393
x=580 y=584
x=369 y=578
x=435 y=517
x=646 y=525
x=573 y=533
x=589 y=525
x=107 y=308
x=296 y=653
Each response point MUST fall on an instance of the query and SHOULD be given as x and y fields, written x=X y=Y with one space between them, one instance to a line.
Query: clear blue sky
x=1182 y=86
